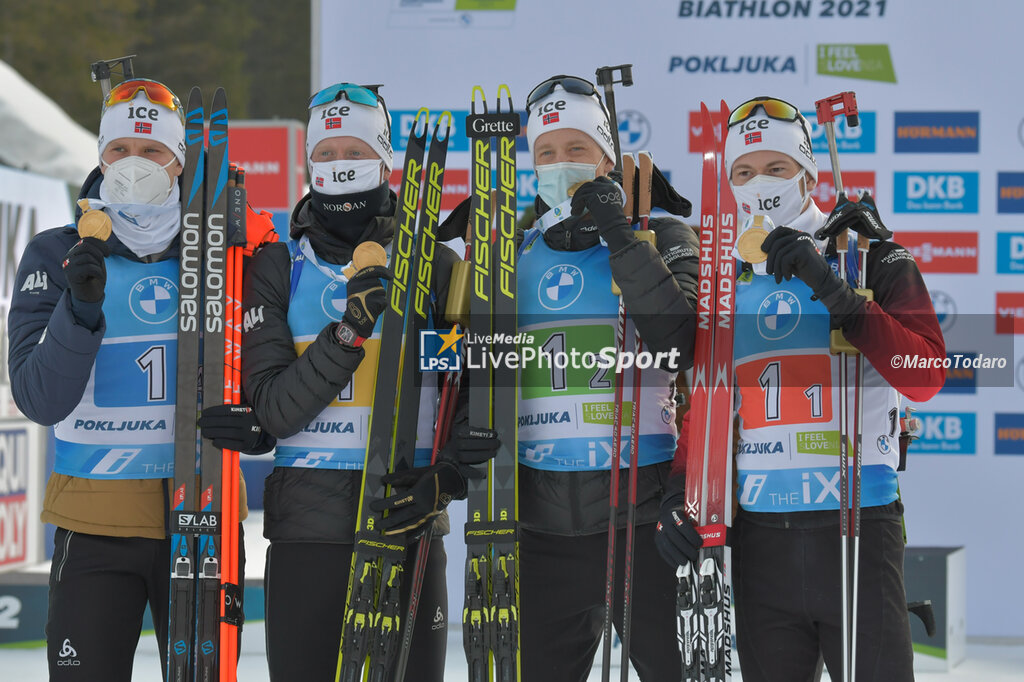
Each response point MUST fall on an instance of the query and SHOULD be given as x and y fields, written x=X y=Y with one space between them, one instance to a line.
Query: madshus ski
x=204 y=611
x=372 y=625
x=490 y=622
x=704 y=592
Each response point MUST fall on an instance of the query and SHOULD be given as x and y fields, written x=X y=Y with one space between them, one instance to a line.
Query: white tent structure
x=36 y=135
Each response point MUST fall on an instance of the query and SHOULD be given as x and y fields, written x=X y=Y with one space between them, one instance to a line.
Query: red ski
x=704 y=592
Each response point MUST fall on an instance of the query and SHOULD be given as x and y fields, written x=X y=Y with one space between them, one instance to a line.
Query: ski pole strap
x=486 y=532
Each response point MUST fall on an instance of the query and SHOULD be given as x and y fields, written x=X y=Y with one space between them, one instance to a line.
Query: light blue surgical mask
x=555 y=179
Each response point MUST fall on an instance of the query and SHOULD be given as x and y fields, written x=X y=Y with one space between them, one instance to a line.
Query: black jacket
x=659 y=287
x=287 y=391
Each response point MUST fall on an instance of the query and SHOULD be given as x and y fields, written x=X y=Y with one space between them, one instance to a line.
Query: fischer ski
x=491 y=612
x=704 y=593
x=372 y=625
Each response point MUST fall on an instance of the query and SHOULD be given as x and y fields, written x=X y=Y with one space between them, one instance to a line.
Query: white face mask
x=555 y=179
x=345 y=176
x=136 y=180
x=780 y=199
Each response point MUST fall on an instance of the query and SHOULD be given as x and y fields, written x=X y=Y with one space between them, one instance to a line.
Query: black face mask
x=345 y=216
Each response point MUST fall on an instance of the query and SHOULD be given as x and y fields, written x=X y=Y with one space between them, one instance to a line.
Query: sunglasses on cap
x=359 y=94
x=772 y=108
x=572 y=84
x=157 y=93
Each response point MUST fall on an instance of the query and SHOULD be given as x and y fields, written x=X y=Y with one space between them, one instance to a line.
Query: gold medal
x=366 y=255
x=94 y=223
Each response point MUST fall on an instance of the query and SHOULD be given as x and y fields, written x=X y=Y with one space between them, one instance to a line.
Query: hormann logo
x=1009 y=434
x=732 y=64
x=1011 y=193
x=961 y=375
x=866 y=62
x=949 y=252
x=936 y=132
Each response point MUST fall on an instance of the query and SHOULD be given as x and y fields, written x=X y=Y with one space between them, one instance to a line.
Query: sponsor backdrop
x=29 y=203
x=937 y=146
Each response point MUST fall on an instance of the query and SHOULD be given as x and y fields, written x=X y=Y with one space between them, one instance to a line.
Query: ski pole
x=845 y=103
x=606 y=79
x=628 y=171
x=643 y=203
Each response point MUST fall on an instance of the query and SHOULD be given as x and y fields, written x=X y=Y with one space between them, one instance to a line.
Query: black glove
x=675 y=537
x=470 y=445
x=859 y=216
x=602 y=198
x=425 y=492
x=366 y=299
x=85 y=269
x=792 y=253
x=234 y=427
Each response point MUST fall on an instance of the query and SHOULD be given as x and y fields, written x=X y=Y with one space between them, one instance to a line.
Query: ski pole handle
x=845 y=104
x=606 y=79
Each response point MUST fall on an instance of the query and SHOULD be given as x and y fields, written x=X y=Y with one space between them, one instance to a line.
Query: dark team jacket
x=288 y=391
x=901 y=320
x=659 y=288
x=50 y=358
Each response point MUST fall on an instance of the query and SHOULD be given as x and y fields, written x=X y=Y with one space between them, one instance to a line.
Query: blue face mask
x=555 y=179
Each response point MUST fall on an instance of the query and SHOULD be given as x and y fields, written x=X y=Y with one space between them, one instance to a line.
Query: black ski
x=476 y=612
x=409 y=401
x=211 y=457
x=183 y=506
x=377 y=559
x=491 y=613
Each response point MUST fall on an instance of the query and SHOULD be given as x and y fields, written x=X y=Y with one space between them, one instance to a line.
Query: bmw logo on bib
x=333 y=301
x=153 y=300
x=778 y=315
x=560 y=286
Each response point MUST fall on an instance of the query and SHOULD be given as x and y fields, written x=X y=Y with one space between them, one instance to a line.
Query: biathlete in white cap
x=91 y=346
x=786 y=556
x=309 y=363
x=566 y=303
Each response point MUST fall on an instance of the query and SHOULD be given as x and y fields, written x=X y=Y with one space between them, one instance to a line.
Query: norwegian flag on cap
x=550 y=118
x=141 y=127
x=332 y=123
x=752 y=138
